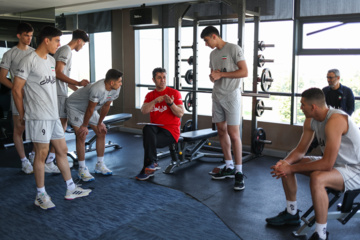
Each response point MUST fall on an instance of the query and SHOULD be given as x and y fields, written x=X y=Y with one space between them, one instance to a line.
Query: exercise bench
x=188 y=147
x=108 y=120
x=345 y=210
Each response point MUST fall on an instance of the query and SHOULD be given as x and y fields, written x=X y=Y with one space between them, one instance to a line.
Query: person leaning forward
x=338 y=168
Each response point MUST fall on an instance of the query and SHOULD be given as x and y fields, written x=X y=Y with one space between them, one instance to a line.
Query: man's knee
x=316 y=179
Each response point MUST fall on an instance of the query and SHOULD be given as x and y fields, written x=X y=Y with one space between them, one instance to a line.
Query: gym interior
x=289 y=46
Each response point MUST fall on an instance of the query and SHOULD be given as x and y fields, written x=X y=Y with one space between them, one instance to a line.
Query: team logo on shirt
x=20 y=70
x=160 y=109
x=49 y=79
x=53 y=69
x=224 y=57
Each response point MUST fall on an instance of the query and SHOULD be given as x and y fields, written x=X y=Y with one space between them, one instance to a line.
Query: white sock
x=82 y=164
x=229 y=164
x=24 y=159
x=50 y=157
x=291 y=207
x=70 y=184
x=321 y=230
x=41 y=190
x=100 y=159
x=238 y=168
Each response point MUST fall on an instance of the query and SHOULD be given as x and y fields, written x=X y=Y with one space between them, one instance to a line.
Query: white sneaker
x=101 y=168
x=76 y=193
x=32 y=157
x=43 y=200
x=85 y=175
x=51 y=168
x=27 y=167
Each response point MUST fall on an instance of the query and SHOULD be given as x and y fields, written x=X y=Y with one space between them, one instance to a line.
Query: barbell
x=190 y=60
x=262 y=60
x=260 y=108
x=258 y=141
x=262 y=45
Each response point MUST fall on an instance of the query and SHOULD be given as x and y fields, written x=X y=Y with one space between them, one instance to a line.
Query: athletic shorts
x=42 y=131
x=76 y=118
x=350 y=174
x=62 y=106
x=227 y=109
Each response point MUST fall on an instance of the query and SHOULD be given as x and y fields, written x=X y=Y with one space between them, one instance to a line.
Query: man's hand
x=169 y=99
x=82 y=131
x=83 y=82
x=215 y=75
x=159 y=99
x=280 y=169
x=102 y=128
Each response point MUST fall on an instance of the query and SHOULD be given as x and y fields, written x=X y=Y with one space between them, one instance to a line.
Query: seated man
x=338 y=168
x=82 y=109
x=165 y=107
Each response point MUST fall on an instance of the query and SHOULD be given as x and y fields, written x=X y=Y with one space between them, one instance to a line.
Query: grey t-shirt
x=40 y=89
x=11 y=59
x=349 y=152
x=94 y=92
x=226 y=60
x=63 y=54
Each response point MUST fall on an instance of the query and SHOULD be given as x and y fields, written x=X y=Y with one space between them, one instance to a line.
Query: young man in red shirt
x=165 y=107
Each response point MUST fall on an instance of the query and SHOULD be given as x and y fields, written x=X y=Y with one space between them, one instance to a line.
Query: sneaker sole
x=223 y=177
x=149 y=171
x=86 y=180
x=238 y=188
x=291 y=223
x=143 y=179
x=38 y=205
x=77 y=196
x=105 y=174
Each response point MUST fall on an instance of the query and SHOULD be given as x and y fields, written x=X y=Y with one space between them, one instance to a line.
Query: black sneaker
x=315 y=236
x=225 y=173
x=239 y=181
x=284 y=218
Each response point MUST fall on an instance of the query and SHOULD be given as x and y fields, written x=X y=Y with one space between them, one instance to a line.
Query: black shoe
x=315 y=236
x=284 y=218
x=239 y=181
x=225 y=173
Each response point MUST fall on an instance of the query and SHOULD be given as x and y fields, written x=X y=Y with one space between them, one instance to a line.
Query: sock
x=41 y=190
x=50 y=157
x=321 y=230
x=100 y=159
x=291 y=207
x=82 y=164
x=70 y=184
x=24 y=159
x=238 y=168
x=229 y=164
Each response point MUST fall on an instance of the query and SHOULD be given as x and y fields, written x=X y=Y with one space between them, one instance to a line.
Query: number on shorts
x=43 y=131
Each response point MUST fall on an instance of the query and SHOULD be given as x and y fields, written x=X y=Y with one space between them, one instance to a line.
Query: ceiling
x=11 y=7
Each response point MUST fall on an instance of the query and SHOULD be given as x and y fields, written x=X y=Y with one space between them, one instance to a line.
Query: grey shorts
x=227 y=109
x=350 y=174
x=62 y=106
x=42 y=131
x=76 y=118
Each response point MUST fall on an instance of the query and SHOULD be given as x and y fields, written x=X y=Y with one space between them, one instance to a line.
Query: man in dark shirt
x=337 y=95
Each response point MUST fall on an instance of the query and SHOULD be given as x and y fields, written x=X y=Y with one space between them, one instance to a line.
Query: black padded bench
x=188 y=148
x=108 y=120
x=345 y=210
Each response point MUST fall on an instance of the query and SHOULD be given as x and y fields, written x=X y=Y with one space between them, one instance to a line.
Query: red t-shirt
x=162 y=114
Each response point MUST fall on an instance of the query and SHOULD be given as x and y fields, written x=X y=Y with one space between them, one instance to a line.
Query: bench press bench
x=188 y=147
x=108 y=120
x=345 y=210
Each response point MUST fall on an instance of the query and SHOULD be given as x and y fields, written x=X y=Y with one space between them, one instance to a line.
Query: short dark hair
x=158 y=70
x=113 y=74
x=80 y=34
x=48 y=32
x=208 y=31
x=314 y=96
x=24 y=27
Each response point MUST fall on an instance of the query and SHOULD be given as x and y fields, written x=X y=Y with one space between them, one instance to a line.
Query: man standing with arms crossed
x=10 y=62
x=63 y=58
x=228 y=66
x=35 y=79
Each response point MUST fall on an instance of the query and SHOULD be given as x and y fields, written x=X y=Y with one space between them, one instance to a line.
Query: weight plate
x=187 y=126
x=266 y=80
x=188 y=103
x=189 y=76
x=257 y=146
x=259 y=107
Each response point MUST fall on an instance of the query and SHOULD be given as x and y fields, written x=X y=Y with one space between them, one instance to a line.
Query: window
x=102 y=50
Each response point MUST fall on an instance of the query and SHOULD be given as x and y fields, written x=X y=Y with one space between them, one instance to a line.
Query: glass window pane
x=103 y=57
x=335 y=35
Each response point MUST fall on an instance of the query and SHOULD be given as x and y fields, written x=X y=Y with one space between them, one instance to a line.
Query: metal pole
x=195 y=70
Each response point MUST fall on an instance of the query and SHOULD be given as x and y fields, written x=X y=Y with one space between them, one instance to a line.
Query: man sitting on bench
x=338 y=168
x=165 y=107
x=82 y=109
